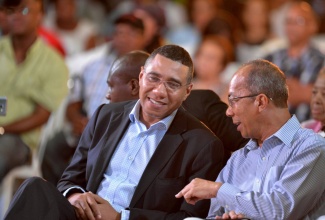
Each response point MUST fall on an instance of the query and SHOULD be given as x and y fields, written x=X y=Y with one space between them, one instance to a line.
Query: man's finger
x=94 y=207
x=179 y=195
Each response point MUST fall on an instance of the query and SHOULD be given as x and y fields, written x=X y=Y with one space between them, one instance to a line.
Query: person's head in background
x=317 y=103
x=66 y=13
x=24 y=17
x=255 y=21
x=300 y=24
x=153 y=17
x=223 y=24
x=128 y=34
x=212 y=56
x=123 y=77
x=202 y=11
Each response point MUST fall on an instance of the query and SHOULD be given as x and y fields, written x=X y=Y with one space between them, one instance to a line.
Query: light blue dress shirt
x=130 y=160
x=282 y=179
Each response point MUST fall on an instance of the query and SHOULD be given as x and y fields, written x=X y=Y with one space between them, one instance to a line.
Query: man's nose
x=229 y=111
x=161 y=87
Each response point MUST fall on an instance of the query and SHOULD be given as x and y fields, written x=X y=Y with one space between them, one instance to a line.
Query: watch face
x=3 y=106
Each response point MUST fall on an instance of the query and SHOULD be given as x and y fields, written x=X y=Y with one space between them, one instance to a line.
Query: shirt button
x=130 y=158
x=264 y=158
x=257 y=181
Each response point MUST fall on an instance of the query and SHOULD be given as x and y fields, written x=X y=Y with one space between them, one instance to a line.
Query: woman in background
x=212 y=57
x=317 y=105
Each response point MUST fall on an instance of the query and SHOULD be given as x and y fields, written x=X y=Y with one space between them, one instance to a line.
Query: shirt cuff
x=65 y=193
x=125 y=215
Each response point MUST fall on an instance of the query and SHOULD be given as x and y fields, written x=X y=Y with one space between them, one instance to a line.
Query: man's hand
x=106 y=210
x=231 y=215
x=199 y=189
x=89 y=206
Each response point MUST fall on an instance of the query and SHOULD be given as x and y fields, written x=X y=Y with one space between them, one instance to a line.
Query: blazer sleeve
x=76 y=173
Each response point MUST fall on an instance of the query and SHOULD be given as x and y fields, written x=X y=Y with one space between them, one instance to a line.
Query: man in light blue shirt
x=279 y=174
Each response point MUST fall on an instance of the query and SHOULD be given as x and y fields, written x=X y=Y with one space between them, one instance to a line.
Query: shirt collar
x=134 y=116
x=285 y=134
x=288 y=130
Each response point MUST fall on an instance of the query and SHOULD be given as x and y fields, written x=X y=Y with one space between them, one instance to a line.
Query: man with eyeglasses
x=279 y=173
x=133 y=157
x=33 y=77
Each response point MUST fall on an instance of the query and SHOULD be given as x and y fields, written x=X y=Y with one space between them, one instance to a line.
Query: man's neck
x=271 y=126
x=21 y=45
x=297 y=49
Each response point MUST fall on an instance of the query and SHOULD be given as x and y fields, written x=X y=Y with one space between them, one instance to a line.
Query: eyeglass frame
x=235 y=99
x=165 y=82
x=21 y=10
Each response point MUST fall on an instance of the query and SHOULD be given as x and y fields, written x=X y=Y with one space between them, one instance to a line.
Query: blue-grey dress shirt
x=282 y=179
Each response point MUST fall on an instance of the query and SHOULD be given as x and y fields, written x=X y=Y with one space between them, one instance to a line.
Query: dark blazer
x=208 y=108
x=188 y=150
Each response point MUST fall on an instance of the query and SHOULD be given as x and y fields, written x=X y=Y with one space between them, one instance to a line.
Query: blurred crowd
x=220 y=35
x=75 y=42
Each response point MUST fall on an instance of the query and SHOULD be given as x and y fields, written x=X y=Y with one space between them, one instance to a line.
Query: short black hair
x=131 y=20
x=175 y=53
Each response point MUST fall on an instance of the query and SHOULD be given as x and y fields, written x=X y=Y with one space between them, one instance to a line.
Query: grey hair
x=267 y=78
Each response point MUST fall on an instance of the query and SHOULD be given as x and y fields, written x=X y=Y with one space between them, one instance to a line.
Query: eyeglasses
x=231 y=101
x=21 y=10
x=299 y=21
x=155 y=81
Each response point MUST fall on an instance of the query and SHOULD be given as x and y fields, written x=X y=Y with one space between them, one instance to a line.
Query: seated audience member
x=279 y=173
x=317 y=105
x=33 y=77
x=76 y=34
x=133 y=157
x=211 y=59
x=300 y=60
x=256 y=32
x=87 y=94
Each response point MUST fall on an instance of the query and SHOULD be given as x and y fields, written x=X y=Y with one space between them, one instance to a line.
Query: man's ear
x=134 y=87
x=262 y=101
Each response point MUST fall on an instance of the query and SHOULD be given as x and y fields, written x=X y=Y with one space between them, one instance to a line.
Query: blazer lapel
x=112 y=137
x=166 y=148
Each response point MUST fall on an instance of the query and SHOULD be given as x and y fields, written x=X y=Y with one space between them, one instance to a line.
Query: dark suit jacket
x=188 y=150
x=208 y=108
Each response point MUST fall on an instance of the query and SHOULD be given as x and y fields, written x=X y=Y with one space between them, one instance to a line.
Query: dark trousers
x=13 y=153
x=37 y=199
x=57 y=156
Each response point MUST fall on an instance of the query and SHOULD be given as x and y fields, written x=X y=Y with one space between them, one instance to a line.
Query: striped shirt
x=283 y=179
